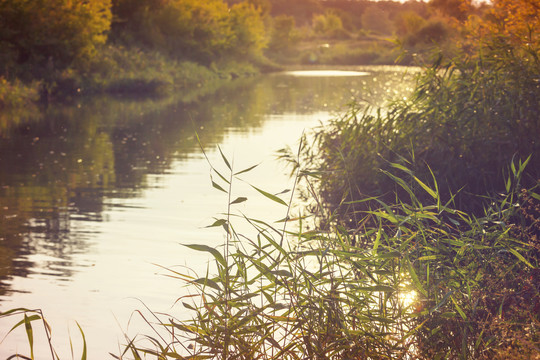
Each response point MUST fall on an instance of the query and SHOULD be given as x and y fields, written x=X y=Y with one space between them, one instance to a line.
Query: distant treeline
x=41 y=36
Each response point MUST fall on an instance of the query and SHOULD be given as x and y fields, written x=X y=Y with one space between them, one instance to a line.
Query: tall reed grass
x=468 y=117
x=416 y=280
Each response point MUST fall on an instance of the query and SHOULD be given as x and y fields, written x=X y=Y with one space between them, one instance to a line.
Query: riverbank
x=366 y=50
x=120 y=72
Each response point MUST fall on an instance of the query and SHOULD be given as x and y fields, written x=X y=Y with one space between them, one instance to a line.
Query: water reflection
x=326 y=73
x=93 y=192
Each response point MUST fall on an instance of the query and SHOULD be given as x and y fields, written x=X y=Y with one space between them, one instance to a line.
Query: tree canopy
x=38 y=34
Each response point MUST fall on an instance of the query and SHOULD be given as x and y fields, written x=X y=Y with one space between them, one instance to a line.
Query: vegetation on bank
x=469 y=116
x=58 y=49
x=420 y=280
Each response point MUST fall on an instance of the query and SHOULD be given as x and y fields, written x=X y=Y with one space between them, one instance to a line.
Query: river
x=97 y=195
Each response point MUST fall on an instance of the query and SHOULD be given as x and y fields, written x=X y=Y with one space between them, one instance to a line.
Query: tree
x=458 y=9
x=328 y=24
x=196 y=30
x=249 y=35
x=408 y=22
x=301 y=10
x=282 y=33
x=42 y=35
x=377 y=20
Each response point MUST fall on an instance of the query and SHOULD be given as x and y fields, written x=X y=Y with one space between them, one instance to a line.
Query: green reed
x=416 y=279
x=467 y=118
x=29 y=317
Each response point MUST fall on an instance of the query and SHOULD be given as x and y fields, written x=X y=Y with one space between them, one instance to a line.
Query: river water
x=97 y=196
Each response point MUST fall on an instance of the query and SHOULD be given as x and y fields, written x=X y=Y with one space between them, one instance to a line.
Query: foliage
x=17 y=102
x=328 y=25
x=475 y=110
x=344 y=54
x=301 y=10
x=510 y=23
x=283 y=33
x=408 y=22
x=15 y=94
x=421 y=280
x=432 y=32
x=458 y=9
x=38 y=37
x=248 y=29
x=376 y=20
x=188 y=29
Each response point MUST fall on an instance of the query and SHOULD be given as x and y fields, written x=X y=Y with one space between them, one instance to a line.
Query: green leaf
x=443 y=301
x=270 y=196
x=239 y=200
x=83 y=357
x=218 y=222
x=448 y=315
x=246 y=170
x=520 y=257
x=216 y=186
x=459 y=310
x=535 y=195
x=224 y=158
x=11 y=311
x=282 y=273
x=415 y=279
x=389 y=255
x=401 y=167
x=208 y=282
x=29 y=334
x=23 y=321
x=377 y=238
x=523 y=165
x=508 y=184
x=384 y=288
x=217 y=255
x=188 y=306
x=428 y=257
x=425 y=187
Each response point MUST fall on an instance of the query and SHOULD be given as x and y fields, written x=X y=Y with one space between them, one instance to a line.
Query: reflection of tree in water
x=50 y=171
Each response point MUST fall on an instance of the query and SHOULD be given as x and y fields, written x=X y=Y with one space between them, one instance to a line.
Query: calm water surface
x=96 y=196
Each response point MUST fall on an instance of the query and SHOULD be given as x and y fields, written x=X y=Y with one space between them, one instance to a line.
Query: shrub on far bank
x=18 y=103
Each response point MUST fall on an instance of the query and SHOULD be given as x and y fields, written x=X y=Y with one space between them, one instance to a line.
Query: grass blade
x=270 y=196
x=217 y=255
x=29 y=334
